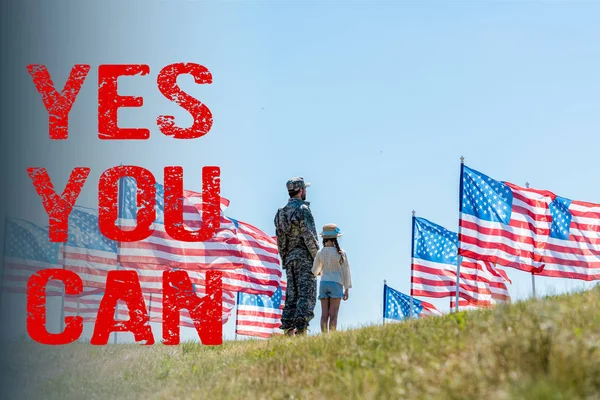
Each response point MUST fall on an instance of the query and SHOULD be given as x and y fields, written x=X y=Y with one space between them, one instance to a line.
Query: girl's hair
x=337 y=246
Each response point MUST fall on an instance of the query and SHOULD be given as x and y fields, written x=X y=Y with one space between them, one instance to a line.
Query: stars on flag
x=130 y=207
x=260 y=315
x=30 y=242
x=486 y=198
x=434 y=243
x=561 y=218
x=84 y=231
x=397 y=305
x=263 y=301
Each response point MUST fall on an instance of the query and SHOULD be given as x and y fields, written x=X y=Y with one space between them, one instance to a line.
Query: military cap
x=296 y=183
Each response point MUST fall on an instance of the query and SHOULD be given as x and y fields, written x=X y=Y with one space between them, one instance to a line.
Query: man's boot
x=301 y=330
x=289 y=332
x=288 y=329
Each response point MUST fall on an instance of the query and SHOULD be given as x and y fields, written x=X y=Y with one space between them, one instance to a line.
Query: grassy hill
x=544 y=349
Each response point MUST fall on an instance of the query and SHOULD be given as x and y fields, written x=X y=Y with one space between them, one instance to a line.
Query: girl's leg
x=334 y=308
x=324 y=314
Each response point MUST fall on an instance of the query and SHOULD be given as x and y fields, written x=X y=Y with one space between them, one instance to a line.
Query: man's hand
x=345 y=294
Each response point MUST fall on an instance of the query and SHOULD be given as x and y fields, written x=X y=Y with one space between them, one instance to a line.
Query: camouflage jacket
x=296 y=232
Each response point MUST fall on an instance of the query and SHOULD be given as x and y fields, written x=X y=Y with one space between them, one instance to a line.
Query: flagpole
x=458 y=262
x=62 y=307
x=412 y=253
x=77 y=313
x=237 y=306
x=458 y=257
x=150 y=309
x=384 y=298
x=119 y=217
x=532 y=274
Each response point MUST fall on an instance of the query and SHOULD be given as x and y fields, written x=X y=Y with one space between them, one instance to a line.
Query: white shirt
x=327 y=264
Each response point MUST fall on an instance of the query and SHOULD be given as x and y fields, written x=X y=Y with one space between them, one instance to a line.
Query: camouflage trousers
x=301 y=295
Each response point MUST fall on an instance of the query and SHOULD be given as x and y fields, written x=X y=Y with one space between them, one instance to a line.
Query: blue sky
x=372 y=102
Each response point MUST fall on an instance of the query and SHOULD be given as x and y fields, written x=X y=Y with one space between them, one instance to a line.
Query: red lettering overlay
x=36 y=307
x=58 y=207
x=57 y=104
x=206 y=312
x=108 y=204
x=109 y=102
x=211 y=207
x=178 y=293
x=167 y=84
x=122 y=285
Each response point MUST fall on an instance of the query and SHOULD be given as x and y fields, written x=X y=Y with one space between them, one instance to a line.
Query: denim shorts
x=330 y=289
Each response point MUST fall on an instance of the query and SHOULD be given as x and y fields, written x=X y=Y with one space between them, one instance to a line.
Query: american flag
x=27 y=251
x=92 y=255
x=247 y=256
x=260 y=315
x=262 y=278
x=87 y=251
x=397 y=306
x=528 y=229
x=221 y=252
x=261 y=273
x=435 y=258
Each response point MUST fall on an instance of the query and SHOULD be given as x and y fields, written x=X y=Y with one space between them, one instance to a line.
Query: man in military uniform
x=297 y=243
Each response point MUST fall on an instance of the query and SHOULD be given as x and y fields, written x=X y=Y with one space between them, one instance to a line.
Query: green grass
x=544 y=349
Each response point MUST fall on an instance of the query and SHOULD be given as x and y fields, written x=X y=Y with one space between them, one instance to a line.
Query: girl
x=331 y=263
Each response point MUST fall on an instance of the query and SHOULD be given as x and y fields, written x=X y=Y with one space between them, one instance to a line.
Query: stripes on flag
x=247 y=256
x=222 y=251
x=527 y=228
x=87 y=303
x=463 y=305
x=260 y=315
x=87 y=251
x=483 y=284
x=28 y=250
x=260 y=278
x=262 y=272
x=429 y=309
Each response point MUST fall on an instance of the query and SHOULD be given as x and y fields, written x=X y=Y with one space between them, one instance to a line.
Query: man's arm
x=307 y=227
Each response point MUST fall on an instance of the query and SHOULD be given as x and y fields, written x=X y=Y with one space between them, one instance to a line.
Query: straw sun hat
x=331 y=231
